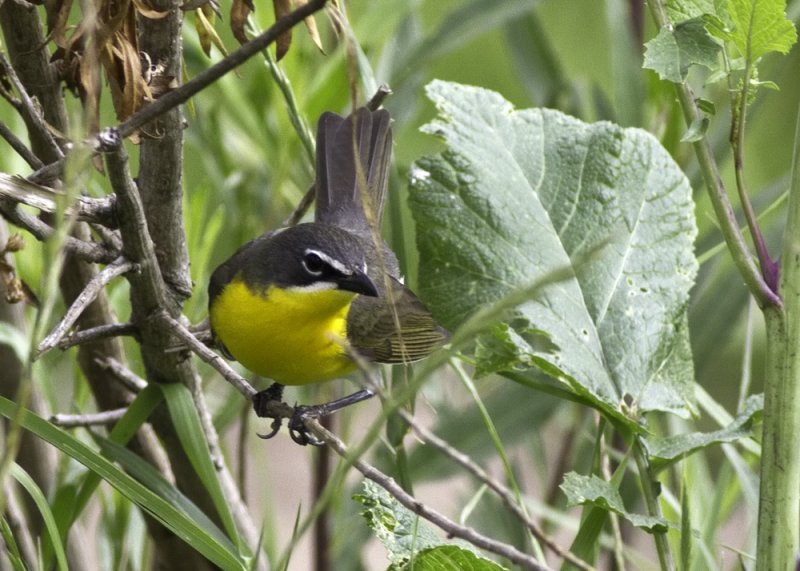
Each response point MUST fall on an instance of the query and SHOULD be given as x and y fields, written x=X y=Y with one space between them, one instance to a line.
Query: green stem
x=649 y=483
x=779 y=497
x=740 y=252
x=768 y=266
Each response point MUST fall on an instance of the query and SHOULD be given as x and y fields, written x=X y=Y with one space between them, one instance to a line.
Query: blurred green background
x=247 y=167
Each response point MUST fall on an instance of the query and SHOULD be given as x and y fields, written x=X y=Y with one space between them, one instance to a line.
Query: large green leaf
x=522 y=194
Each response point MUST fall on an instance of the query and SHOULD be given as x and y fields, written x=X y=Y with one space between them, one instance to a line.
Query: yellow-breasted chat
x=301 y=304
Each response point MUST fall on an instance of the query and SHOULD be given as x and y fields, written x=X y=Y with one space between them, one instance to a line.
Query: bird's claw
x=297 y=426
x=274 y=428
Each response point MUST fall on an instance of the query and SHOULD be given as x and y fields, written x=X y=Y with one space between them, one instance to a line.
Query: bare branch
x=503 y=492
x=302 y=207
x=20 y=147
x=86 y=251
x=100 y=332
x=87 y=296
x=208 y=356
x=452 y=528
x=97 y=418
x=123 y=374
x=29 y=109
x=20 y=190
x=381 y=94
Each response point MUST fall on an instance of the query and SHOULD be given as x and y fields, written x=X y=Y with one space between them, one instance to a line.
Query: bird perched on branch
x=303 y=304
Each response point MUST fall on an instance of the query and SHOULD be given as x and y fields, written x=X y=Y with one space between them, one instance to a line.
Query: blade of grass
x=38 y=498
x=192 y=436
x=172 y=518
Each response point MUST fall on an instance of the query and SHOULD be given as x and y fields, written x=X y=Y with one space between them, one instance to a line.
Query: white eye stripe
x=332 y=262
x=316 y=286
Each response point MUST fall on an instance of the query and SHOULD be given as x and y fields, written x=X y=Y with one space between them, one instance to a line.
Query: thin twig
x=208 y=356
x=95 y=333
x=619 y=545
x=302 y=207
x=93 y=419
x=452 y=528
x=649 y=485
x=48 y=173
x=87 y=296
x=380 y=95
x=86 y=251
x=20 y=147
x=504 y=493
x=121 y=373
x=108 y=236
x=29 y=109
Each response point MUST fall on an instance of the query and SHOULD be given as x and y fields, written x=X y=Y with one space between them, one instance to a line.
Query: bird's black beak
x=358 y=282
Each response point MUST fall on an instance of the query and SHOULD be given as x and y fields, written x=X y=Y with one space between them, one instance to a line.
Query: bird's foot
x=297 y=424
x=261 y=403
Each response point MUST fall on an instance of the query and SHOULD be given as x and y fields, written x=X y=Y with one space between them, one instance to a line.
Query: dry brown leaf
x=205 y=31
x=311 y=26
x=240 y=10
x=144 y=8
x=284 y=41
x=89 y=74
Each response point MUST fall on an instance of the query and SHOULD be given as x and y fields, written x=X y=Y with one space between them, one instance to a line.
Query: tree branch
x=208 y=356
x=87 y=296
x=452 y=528
x=20 y=190
x=504 y=493
x=86 y=251
x=29 y=110
x=100 y=332
x=22 y=150
x=123 y=374
x=97 y=418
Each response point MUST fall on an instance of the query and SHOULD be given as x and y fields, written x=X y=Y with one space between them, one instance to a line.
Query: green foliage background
x=246 y=169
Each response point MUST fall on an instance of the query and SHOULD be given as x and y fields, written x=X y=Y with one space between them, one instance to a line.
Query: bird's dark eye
x=313 y=263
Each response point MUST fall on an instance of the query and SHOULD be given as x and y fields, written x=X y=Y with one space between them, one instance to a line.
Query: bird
x=306 y=303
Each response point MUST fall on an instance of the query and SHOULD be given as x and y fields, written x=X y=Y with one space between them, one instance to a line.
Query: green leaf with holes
x=411 y=542
x=520 y=194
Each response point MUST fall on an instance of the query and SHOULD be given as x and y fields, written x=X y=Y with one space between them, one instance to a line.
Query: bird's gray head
x=317 y=256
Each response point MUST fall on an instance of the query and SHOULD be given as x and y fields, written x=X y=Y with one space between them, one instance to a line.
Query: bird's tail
x=353 y=157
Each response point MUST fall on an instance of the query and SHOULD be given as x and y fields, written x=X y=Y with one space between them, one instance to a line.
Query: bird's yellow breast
x=288 y=335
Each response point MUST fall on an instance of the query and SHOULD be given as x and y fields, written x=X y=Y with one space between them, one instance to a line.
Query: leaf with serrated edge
x=665 y=451
x=591 y=490
x=520 y=194
x=760 y=27
x=672 y=52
